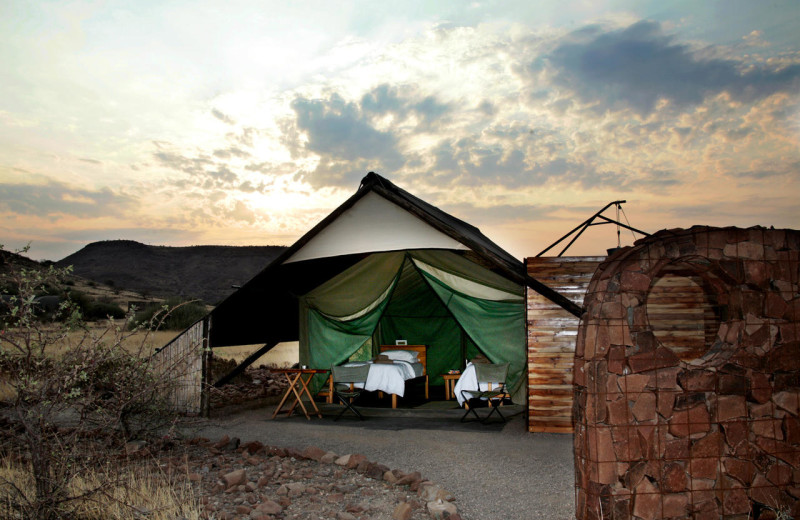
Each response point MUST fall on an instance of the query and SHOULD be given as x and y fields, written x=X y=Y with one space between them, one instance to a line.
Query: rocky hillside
x=205 y=272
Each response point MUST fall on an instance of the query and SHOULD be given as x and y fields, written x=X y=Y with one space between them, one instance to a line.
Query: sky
x=247 y=122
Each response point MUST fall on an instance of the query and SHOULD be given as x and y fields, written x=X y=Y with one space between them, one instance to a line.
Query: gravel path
x=494 y=471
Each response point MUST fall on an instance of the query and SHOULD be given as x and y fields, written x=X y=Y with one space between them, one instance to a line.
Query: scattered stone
x=269 y=507
x=440 y=510
x=235 y=478
x=355 y=460
x=313 y=453
x=430 y=493
x=412 y=479
x=287 y=482
x=402 y=511
x=329 y=458
x=222 y=442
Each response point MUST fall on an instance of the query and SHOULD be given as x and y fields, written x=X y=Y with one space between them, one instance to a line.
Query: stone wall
x=687 y=379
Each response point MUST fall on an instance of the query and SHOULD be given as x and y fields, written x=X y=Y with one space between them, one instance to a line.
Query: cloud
x=385 y=99
x=501 y=213
x=339 y=131
x=638 y=66
x=206 y=172
x=190 y=165
x=56 y=198
x=223 y=117
x=766 y=173
x=231 y=151
x=468 y=161
x=346 y=174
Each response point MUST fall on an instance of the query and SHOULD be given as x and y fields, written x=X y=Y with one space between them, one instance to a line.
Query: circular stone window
x=683 y=312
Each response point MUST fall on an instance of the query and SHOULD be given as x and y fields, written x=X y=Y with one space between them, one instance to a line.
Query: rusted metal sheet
x=551 y=340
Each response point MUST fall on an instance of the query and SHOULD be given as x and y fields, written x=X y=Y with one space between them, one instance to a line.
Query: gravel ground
x=495 y=471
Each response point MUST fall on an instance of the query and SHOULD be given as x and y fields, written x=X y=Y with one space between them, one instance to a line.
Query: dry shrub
x=75 y=395
x=133 y=492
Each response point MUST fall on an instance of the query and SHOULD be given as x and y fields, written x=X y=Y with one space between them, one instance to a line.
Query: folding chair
x=344 y=385
x=488 y=376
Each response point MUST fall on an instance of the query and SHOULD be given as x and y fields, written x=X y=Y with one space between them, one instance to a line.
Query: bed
x=420 y=373
x=391 y=378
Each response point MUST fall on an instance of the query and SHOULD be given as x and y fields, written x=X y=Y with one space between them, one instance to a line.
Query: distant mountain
x=9 y=259
x=205 y=272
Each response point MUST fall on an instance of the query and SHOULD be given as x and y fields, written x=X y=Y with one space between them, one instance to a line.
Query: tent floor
x=412 y=412
x=430 y=415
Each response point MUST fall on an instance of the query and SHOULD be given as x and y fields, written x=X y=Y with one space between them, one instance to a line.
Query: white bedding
x=468 y=381
x=390 y=378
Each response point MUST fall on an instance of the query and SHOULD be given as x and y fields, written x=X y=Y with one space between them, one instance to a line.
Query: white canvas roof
x=374 y=224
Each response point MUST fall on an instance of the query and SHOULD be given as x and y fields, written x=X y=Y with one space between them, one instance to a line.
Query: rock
x=440 y=510
x=372 y=470
x=313 y=453
x=269 y=507
x=235 y=478
x=222 y=442
x=343 y=460
x=295 y=488
x=329 y=458
x=402 y=511
x=646 y=500
x=252 y=447
x=411 y=478
x=431 y=492
x=355 y=460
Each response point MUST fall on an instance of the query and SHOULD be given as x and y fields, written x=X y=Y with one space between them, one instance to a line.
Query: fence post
x=205 y=398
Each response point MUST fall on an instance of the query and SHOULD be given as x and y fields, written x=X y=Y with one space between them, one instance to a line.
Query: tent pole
x=244 y=364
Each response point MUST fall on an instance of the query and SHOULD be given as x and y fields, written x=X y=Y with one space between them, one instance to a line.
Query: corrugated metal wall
x=552 y=332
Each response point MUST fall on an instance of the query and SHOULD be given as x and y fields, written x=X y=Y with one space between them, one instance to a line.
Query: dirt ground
x=494 y=471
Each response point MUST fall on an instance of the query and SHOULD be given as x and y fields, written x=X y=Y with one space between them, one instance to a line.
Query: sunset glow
x=245 y=123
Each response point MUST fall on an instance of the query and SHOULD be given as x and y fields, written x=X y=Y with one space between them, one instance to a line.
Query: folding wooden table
x=298 y=386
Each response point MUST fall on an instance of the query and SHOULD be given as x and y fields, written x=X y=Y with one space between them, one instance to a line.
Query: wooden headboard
x=421 y=350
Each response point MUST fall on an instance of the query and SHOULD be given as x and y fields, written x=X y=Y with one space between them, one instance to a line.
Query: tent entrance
x=432 y=297
x=415 y=313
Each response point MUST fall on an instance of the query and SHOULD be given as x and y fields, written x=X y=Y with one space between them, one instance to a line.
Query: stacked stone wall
x=708 y=432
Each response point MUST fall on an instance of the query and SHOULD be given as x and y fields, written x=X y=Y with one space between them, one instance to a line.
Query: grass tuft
x=138 y=491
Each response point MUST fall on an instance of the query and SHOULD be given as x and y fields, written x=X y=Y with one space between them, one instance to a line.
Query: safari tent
x=384 y=266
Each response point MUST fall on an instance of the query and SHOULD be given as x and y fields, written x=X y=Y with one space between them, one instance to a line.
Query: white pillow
x=401 y=355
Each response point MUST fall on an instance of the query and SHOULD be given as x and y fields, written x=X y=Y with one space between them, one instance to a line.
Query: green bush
x=174 y=314
x=103 y=310
x=80 y=299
